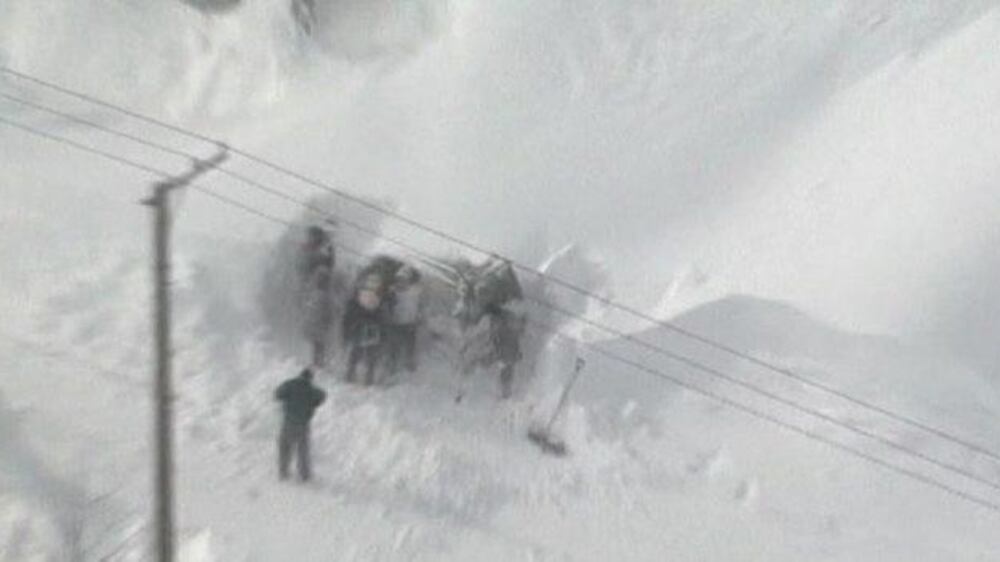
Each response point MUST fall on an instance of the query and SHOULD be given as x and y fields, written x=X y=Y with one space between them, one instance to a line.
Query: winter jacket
x=406 y=305
x=505 y=333
x=299 y=399
x=361 y=326
x=315 y=257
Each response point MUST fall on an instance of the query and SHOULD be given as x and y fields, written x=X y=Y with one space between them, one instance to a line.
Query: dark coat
x=299 y=399
x=317 y=255
x=505 y=334
x=362 y=326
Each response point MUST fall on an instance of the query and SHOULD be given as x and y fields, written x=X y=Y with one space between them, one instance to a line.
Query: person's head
x=369 y=299
x=407 y=275
x=307 y=374
x=315 y=235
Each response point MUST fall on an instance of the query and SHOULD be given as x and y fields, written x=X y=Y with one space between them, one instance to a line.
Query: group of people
x=379 y=324
x=379 y=320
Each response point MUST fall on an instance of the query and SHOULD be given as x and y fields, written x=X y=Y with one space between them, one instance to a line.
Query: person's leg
x=319 y=352
x=352 y=361
x=322 y=343
x=304 y=460
x=284 y=450
x=392 y=348
x=409 y=345
x=506 y=380
x=370 y=356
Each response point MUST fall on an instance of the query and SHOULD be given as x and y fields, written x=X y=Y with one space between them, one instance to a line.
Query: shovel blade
x=548 y=443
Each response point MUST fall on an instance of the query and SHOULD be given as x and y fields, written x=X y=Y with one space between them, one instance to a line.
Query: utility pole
x=162 y=392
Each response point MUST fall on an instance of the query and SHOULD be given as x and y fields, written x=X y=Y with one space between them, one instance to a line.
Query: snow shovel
x=542 y=436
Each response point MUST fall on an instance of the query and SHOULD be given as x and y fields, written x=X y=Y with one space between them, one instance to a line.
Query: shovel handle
x=580 y=363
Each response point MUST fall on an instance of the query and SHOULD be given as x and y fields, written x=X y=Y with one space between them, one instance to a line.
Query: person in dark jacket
x=364 y=328
x=299 y=399
x=317 y=253
x=505 y=337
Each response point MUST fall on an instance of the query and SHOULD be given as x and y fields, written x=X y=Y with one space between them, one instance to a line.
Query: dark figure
x=505 y=337
x=299 y=399
x=363 y=329
x=317 y=253
x=405 y=316
x=499 y=286
x=316 y=262
x=319 y=316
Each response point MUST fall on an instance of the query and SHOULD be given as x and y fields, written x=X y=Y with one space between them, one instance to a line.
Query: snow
x=813 y=184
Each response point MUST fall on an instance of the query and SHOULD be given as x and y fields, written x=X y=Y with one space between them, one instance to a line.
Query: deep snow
x=815 y=185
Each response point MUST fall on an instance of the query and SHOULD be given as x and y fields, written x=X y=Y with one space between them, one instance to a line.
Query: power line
x=85 y=148
x=95 y=125
x=164 y=148
x=106 y=105
x=142 y=167
x=159 y=146
x=126 y=542
x=674 y=327
x=194 y=186
x=634 y=364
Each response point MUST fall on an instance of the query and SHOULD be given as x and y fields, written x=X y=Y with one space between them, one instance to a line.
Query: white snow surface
x=815 y=183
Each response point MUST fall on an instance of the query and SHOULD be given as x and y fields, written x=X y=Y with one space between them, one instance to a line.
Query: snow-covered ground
x=815 y=184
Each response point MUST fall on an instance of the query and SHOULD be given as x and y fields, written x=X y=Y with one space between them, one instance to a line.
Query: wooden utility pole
x=162 y=393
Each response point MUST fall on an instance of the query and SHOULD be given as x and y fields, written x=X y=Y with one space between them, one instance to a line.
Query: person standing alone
x=299 y=399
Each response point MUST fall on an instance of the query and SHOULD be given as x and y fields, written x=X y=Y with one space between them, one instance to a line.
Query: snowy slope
x=407 y=474
x=813 y=184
